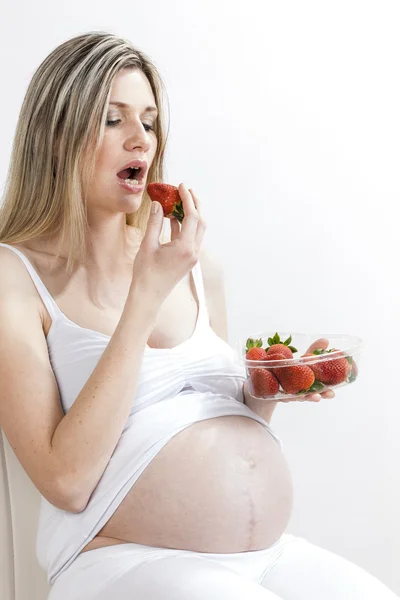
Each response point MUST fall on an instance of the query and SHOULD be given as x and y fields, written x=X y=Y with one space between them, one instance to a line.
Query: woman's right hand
x=157 y=268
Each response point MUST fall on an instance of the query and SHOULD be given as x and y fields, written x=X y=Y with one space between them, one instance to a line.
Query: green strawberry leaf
x=317 y=386
x=352 y=377
x=178 y=215
x=276 y=339
x=252 y=343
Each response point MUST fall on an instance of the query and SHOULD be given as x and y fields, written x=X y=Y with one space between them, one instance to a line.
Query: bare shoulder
x=13 y=271
x=15 y=281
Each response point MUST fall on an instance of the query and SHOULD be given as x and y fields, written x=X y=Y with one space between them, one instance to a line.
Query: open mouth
x=132 y=175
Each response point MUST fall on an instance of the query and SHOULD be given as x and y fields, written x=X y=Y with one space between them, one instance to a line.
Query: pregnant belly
x=221 y=485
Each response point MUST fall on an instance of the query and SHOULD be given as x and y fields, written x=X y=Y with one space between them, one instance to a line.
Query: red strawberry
x=263 y=382
x=275 y=345
x=330 y=372
x=295 y=378
x=280 y=349
x=254 y=350
x=168 y=196
x=275 y=356
x=256 y=353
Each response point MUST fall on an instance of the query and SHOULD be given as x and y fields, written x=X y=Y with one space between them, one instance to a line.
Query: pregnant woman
x=160 y=476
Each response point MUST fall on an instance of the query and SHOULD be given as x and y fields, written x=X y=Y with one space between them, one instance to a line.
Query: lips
x=135 y=169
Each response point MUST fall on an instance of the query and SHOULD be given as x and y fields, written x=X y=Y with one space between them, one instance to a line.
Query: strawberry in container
x=274 y=372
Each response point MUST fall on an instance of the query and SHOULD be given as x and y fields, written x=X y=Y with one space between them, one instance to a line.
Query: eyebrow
x=148 y=109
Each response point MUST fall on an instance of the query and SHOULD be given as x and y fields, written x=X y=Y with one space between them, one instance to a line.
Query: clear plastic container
x=336 y=367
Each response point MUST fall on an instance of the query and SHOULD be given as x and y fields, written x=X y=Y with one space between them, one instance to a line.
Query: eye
x=146 y=126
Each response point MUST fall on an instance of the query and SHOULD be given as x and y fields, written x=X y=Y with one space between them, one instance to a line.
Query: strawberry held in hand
x=168 y=196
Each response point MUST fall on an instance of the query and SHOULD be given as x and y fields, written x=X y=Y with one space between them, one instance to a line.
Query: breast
x=209 y=366
x=221 y=485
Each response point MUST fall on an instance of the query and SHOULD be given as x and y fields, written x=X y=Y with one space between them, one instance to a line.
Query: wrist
x=141 y=309
x=147 y=301
x=248 y=397
x=263 y=408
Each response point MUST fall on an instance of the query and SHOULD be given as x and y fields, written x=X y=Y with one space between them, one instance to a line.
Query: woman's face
x=128 y=137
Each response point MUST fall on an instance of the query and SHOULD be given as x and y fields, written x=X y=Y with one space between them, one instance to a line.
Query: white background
x=285 y=121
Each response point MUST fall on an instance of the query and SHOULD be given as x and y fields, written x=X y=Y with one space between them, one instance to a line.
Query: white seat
x=21 y=577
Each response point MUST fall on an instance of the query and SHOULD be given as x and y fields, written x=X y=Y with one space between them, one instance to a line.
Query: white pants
x=291 y=569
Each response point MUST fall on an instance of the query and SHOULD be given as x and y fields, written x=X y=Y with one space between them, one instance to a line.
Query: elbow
x=67 y=499
x=75 y=509
x=73 y=506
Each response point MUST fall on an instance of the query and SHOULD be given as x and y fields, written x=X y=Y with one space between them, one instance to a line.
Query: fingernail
x=154 y=207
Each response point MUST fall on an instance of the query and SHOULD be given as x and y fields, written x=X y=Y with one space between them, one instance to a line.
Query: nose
x=138 y=138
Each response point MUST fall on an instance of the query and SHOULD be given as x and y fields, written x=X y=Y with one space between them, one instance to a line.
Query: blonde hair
x=59 y=130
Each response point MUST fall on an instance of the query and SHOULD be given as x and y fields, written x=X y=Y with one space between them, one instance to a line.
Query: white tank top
x=199 y=379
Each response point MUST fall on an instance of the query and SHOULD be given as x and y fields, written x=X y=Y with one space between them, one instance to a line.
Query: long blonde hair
x=59 y=130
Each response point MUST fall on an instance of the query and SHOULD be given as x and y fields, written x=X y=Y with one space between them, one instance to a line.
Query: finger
x=328 y=394
x=313 y=397
x=320 y=344
x=196 y=201
x=191 y=219
x=154 y=226
x=291 y=399
x=201 y=227
x=175 y=228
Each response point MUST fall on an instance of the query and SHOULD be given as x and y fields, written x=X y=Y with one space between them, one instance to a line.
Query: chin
x=132 y=203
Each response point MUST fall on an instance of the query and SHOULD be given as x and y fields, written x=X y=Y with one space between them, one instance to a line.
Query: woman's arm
x=214 y=291
x=263 y=408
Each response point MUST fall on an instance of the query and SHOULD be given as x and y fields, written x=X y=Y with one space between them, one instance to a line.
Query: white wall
x=285 y=120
